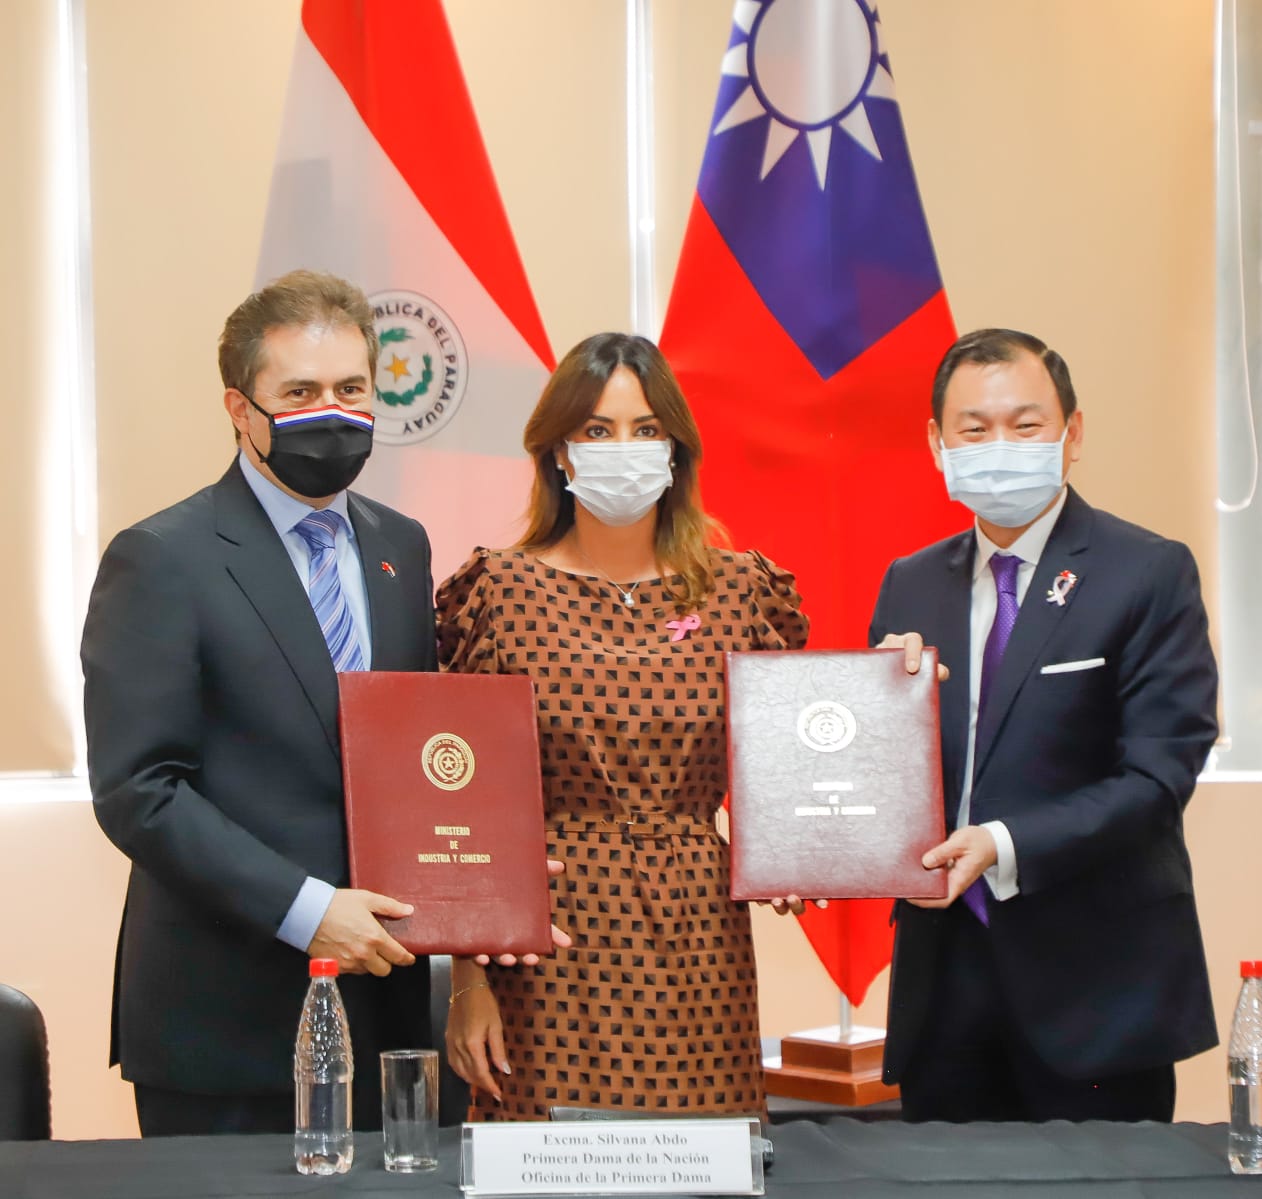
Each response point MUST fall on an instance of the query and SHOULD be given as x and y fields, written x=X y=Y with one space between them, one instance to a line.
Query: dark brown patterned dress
x=655 y=1007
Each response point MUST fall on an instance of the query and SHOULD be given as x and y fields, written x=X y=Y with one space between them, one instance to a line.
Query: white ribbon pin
x=1062 y=585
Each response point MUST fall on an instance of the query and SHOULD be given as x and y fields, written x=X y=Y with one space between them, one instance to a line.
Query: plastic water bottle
x=1244 y=1074
x=323 y=1066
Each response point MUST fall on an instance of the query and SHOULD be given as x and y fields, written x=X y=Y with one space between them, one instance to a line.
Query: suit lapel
x=956 y=606
x=380 y=561
x=259 y=564
x=1038 y=619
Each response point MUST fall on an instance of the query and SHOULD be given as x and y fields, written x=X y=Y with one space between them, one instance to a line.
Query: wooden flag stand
x=839 y=1064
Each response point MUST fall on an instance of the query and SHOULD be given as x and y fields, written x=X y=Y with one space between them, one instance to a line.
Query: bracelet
x=471 y=987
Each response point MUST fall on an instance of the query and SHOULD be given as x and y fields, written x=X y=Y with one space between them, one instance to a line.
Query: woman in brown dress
x=619 y=610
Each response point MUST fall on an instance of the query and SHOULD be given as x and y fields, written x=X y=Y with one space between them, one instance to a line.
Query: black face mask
x=317 y=451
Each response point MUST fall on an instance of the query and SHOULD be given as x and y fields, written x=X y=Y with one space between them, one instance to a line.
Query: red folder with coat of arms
x=444 y=807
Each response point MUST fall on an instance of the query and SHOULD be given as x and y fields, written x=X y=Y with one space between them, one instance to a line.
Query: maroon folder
x=444 y=807
x=836 y=774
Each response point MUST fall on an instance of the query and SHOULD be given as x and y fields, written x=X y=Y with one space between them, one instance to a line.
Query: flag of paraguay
x=381 y=176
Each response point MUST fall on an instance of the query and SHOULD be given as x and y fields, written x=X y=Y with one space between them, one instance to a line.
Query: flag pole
x=641 y=193
x=845 y=1016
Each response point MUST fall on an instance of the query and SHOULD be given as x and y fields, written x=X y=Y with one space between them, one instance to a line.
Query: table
x=842 y=1158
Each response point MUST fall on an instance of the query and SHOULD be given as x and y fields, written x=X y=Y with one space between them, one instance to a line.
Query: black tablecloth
x=843 y=1158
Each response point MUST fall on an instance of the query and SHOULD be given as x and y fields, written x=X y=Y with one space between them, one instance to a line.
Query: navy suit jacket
x=213 y=754
x=1100 y=955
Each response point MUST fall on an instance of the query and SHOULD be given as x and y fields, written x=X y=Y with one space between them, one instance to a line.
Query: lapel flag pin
x=388 y=569
x=1062 y=585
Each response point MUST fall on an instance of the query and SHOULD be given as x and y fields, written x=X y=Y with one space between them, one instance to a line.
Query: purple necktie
x=1004 y=567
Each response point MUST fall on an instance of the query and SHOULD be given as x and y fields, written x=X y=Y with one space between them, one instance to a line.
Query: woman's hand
x=792 y=904
x=560 y=938
x=475 y=1034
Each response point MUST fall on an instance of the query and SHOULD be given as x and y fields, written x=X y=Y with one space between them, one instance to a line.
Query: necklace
x=627 y=593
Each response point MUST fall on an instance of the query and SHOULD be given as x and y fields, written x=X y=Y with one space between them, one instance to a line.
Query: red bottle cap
x=1251 y=969
x=327 y=968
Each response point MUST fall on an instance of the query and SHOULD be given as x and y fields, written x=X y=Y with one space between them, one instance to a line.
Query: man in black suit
x=1064 y=974
x=211 y=706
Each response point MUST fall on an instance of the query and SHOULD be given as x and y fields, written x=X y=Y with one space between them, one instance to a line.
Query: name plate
x=613 y=1157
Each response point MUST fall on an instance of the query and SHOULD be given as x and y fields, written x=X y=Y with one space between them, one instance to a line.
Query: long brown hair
x=568 y=399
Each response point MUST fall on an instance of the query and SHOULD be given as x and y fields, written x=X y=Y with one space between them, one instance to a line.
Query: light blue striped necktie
x=319 y=531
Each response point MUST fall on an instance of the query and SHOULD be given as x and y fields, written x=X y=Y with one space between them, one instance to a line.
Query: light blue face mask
x=1007 y=483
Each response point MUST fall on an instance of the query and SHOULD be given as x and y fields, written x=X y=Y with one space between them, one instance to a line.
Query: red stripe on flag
x=832 y=476
x=398 y=63
x=832 y=479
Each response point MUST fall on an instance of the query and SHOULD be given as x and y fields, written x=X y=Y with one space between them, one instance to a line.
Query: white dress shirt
x=1001 y=877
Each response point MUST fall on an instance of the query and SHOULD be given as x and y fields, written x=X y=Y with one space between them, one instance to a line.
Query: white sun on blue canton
x=811 y=64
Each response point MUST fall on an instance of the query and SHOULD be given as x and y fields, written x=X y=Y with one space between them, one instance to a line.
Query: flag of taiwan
x=381 y=176
x=805 y=323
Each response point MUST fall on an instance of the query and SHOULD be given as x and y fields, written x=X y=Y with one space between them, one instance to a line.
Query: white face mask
x=618 y=482
x=1007 y=483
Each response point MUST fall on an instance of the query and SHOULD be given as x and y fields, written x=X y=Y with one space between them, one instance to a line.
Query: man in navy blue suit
x=1064 y=974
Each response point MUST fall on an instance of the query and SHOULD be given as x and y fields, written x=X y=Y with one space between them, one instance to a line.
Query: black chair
x=25 y=1096
x=453 y=1091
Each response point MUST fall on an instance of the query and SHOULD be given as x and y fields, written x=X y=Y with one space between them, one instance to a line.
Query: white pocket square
x=1067 y=667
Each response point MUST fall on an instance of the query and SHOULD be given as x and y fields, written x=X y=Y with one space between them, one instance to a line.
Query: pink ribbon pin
x=683 y=627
